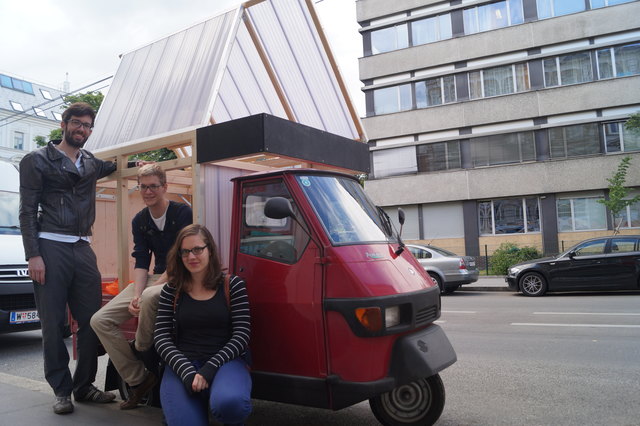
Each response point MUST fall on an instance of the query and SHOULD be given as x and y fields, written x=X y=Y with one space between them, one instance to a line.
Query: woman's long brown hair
x=179 y=276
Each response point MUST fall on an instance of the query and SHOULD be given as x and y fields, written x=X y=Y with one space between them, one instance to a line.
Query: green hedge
x=509 y=254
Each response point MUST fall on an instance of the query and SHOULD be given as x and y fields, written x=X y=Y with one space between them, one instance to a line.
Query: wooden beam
x=122 y=194
x=336 y=71
x=267 y=65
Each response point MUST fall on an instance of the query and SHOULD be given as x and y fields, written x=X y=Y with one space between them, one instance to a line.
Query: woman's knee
x=230 y=409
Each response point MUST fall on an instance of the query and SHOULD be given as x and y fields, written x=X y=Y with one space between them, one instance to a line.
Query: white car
x=447 y=269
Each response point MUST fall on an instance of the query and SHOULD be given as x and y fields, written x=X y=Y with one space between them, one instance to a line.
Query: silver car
x=447 y=269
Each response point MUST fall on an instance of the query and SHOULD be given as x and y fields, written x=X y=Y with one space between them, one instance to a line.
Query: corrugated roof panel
x=291 y=40
x=167 y=85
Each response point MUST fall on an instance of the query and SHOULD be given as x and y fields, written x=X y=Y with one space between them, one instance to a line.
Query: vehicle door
x=623 y=262
x=583 y=268
x=284 y=282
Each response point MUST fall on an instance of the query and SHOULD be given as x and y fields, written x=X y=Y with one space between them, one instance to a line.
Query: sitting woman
x=202 y=334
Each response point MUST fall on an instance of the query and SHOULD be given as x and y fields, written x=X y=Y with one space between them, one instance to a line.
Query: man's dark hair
x=79 y=109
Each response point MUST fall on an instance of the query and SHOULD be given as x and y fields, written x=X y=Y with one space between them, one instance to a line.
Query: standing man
x=154 y=231
x=57 y=211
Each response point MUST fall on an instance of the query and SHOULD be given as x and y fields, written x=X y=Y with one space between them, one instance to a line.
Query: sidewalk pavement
x=29 y=402
x=487 y=283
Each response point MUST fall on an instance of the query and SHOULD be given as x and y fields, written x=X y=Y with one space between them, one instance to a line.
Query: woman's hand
x=199 y=383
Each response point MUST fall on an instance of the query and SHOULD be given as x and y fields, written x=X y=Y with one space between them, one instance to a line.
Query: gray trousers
x=71 y=278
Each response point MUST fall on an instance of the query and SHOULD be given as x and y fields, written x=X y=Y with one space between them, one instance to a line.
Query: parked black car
x=605 y=263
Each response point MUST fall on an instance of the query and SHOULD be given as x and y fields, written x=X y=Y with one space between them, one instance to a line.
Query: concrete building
x=494 y=121
x=27 y=110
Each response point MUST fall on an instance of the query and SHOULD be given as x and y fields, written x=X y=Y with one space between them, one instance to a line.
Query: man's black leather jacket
x=49 y=181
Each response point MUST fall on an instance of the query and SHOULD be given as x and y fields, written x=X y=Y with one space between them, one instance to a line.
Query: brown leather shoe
x=139 y=392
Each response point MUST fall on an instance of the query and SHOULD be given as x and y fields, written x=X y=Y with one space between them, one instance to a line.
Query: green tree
x=618 y=193
x=161 y=154
x=508 y=254
x=634 y=123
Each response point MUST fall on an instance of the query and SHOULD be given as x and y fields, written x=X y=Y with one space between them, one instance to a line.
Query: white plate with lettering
x=22 y=317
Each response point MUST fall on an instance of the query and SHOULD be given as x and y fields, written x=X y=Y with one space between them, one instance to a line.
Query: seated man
x=154 y=231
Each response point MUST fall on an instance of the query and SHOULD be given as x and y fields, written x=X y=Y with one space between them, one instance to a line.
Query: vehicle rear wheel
x=533 y=284
x=436 y=278
x=417 y=403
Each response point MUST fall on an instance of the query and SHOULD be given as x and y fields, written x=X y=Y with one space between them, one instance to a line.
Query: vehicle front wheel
x=417 y=403
x=436 y=278
x=533 y=284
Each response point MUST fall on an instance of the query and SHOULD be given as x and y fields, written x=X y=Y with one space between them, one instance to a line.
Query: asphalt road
x=555 y=360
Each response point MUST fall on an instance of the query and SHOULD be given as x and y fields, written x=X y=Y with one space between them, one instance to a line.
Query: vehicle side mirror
x=571 y=254
x=278 y=208
x=400 y=216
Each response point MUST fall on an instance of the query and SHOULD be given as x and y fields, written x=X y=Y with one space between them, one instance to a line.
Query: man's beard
x=68 y=137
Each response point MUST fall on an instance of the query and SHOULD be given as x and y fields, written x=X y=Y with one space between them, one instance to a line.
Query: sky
x=44 y=40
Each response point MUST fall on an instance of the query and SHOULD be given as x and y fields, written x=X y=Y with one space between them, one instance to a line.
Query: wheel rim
x=531 y=284
x=408 y=403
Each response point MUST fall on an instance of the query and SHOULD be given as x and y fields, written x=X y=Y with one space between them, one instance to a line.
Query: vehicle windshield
x=346 y=214
x=9 y=206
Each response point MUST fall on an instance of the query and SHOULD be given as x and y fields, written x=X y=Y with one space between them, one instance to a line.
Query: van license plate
x=22 y=317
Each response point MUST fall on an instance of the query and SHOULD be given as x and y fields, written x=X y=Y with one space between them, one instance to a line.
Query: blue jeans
x=228 y=397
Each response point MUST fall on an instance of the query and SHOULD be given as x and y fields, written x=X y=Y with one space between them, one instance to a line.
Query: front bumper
x=512 y=282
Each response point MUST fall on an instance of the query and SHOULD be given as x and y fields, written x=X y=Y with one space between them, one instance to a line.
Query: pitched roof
x=264 y=56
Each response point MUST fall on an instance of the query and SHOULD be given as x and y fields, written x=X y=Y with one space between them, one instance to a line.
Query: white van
x=17 y=304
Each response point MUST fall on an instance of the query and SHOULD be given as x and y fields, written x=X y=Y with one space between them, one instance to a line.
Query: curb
x=482 y=288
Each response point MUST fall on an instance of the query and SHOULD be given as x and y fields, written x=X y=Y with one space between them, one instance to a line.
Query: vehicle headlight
x=392 y=316
x=514 y=270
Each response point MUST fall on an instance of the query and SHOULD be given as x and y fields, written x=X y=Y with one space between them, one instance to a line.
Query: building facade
x=27 y=110
x=496 y=121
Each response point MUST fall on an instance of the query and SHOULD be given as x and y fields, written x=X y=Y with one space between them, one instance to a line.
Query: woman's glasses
x=197 y=251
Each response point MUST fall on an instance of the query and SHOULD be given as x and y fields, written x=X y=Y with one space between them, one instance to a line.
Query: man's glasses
x=78 y=123
x=196 y=251
x=153 y=187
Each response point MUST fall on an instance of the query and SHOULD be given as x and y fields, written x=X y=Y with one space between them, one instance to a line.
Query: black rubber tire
x=532 y=284
x=437 y=279
x=417 y=403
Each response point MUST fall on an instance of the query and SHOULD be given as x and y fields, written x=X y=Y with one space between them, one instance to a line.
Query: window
x=629 y=217
x=419 y=253
x=57 y=116
x=281 y=240
x=618 y=138
x=435 y=91
x=46 y=94
x=551 y=8
x=492 y=16
x=39 y=112
x=619 y=61
x=390 y=38
x=581 y=214
x=568 y=69
x=393 y=162
x=392 y=99
x=14 y=83
x=591 y=248
x=18 y=140
x=602 y=3
x=509 y=216
x=499 y=81
x=438 y=156
x=431 y=29
x=503 y=149
x=16 y=106
x=573 y=141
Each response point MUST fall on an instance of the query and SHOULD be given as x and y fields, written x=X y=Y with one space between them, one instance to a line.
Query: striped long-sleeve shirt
x=165 y=333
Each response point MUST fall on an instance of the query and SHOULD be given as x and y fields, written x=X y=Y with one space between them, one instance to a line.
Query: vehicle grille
x=14 y=302
x=426 y=315
x=14 y=274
